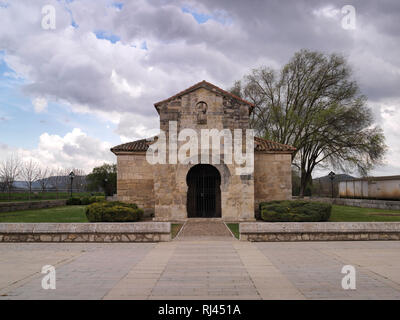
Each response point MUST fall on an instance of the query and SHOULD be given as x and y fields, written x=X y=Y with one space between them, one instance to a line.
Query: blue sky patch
x=220 y=16
x=101 y=34
x=200 y=17
x=118 y=5
x=21 y=126
x=144 y=46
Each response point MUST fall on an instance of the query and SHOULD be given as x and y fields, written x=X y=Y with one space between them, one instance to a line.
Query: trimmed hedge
x=295 y=211
x=94 y=199
x=75 y=201
x=113 y=212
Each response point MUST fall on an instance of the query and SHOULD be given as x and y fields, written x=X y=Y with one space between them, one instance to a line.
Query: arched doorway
x=204 y=192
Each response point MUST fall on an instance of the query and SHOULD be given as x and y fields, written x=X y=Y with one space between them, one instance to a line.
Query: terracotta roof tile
x=261 y=145
x=134 y=146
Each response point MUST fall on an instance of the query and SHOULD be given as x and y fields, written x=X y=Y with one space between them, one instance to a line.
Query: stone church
x=177 y=191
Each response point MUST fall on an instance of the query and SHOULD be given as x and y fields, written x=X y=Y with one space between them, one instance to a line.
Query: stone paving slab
x=92 y=271
x=199 y=270
x=205 y=229
x=269 y=281
x=315 y=268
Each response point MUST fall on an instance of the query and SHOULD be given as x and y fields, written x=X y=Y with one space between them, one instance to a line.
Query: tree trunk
x=304 y=180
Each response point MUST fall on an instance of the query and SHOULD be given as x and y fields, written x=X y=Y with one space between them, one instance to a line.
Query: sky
x=70 y=93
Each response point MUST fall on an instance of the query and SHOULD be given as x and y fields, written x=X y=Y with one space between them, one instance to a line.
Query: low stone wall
x=85 y=232
x=27 y=205
x=319 y=231
x=363 y=203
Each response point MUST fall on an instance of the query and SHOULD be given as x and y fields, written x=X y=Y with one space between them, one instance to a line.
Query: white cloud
x=39 y=104
x=120 y=82
x=122 y=85
x=390 y=114
x=135 y=127
x=73 y=150
x=327 y=12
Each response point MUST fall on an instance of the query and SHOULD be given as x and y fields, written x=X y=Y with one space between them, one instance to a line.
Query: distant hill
x=338 y=177
x=63 y=181
x=19 y=185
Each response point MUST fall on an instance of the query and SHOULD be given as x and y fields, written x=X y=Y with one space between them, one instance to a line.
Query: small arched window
x=201 y=109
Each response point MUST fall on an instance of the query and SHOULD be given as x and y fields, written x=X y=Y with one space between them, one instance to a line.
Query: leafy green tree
x=314 y=105
x=104 y=178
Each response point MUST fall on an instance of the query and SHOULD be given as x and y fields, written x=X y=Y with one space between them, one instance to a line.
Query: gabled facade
x=176 y=191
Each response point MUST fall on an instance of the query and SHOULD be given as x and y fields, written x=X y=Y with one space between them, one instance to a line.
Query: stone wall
x=237 y=193
x=27 y=205
x=272 y=177
x=386 y=188
x=85 y=232
x=319 y=231
x=219 y=112
x=135 y=181
x=363 y=203
x=162 y=188
x=197 y=110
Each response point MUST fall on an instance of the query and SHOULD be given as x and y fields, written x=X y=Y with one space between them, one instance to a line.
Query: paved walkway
x=195 y=269
x=205 y=229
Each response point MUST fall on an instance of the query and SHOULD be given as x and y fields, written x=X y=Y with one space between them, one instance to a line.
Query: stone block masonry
x=164 y=190
x=319 y=231
x=85 y=232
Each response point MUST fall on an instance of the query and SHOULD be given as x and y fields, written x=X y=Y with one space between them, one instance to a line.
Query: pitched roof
x=204 y=84
x=134 y=146
x=260 y=145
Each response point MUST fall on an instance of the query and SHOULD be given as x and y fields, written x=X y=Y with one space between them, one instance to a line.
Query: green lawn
x=37 y=196
x=175 y=228
x=346 y=213
x=58 y=214
x=234 y=227
x=77 y=214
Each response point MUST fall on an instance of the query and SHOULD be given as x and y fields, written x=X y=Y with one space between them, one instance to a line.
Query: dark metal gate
x=204 y=194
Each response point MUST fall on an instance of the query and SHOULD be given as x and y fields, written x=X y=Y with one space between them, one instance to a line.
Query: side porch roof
x=260 y=145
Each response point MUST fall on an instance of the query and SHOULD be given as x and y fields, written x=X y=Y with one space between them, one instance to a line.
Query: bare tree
x=314 y=104
x=10 y=169
x=3 y=186
x=44 y=174
x=30 y=173
x=79 y=180
x=57 y=180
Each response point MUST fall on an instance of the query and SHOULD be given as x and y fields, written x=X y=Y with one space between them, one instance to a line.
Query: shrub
x=113 y=212
x=85 y=201
x=295 y=211
x=73 y=201
x=94 y=199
